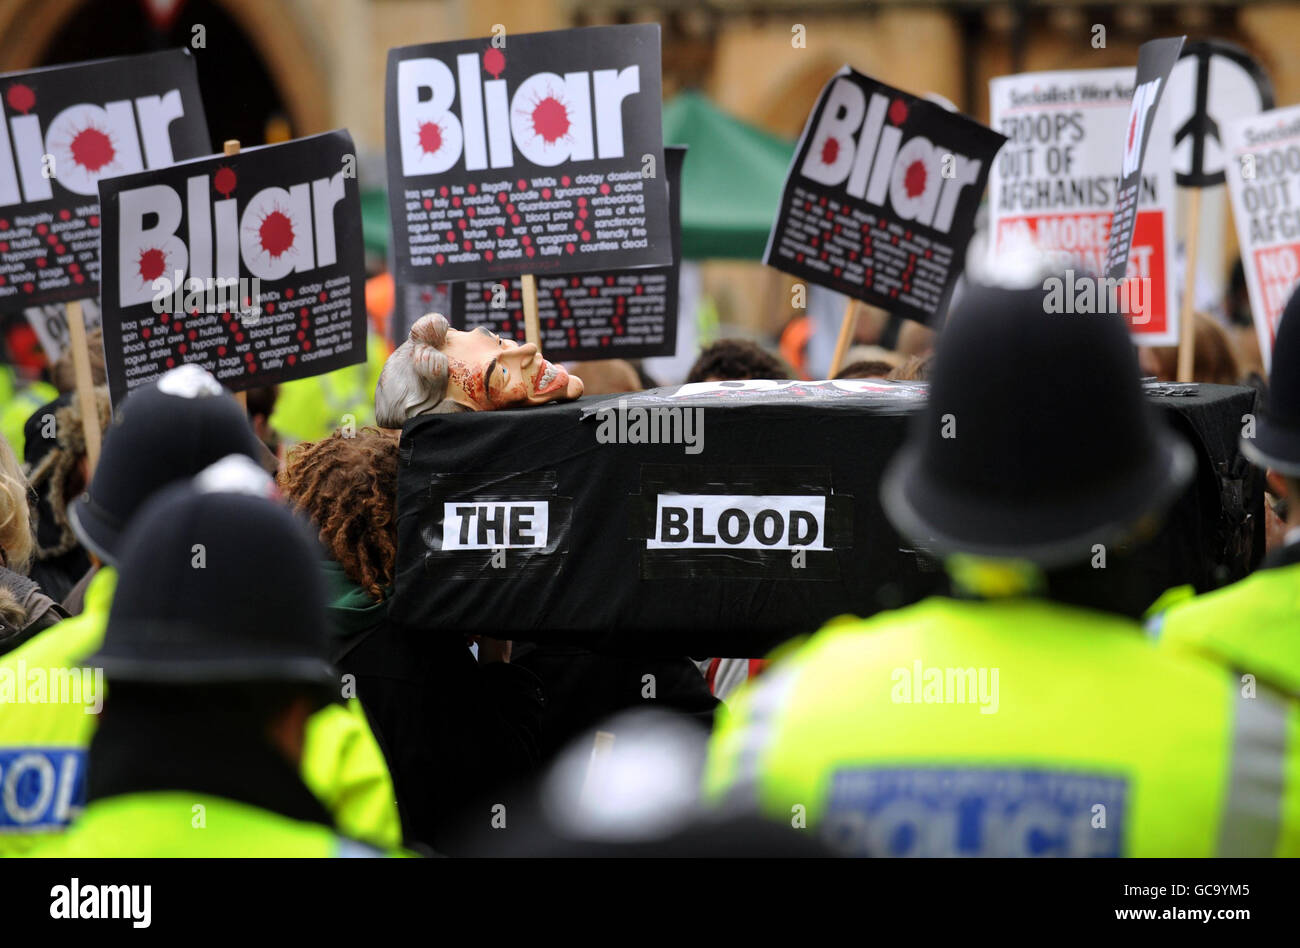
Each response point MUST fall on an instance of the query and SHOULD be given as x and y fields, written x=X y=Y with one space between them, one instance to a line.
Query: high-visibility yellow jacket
x=43 y=743
x=1010 y=727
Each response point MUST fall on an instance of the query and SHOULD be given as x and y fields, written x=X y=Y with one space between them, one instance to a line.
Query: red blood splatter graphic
x=473 y=188
x=20 y=98
x=270 y=308
x=914 y=179
x=521 y=185
x=171 y=363
x=501 y=231
x=468 y=246
x=529 y=250
x=494 y=62
x=546 y=193
x=59 y=248
x=92 y=149
x=501 y=198
x=586 y=235
x=461 y=224
x=583 y=213
x=42 y=228
x=293 y=359
x=288 y=293
x=515 y=220
x=79 y=278
x=604 y=189
x=510 y=208
x=440 y=259
x=428 y=204
x=239 y=337
x=65 y=214
x=442 y=191
x=4 y=225
x=276 y=233
x=94 y=220
x=301 y=336
x=221 y=350
x=469 y=211
x=146 y=332
x=303 y=313
x=455 y=202
x=830 y=151
x=550 y=119
x=307 y=346
x=52 y=239
x=430 y=137
x=224 y=181
x=40 y=263
x=181 y=348
x=489 y=256
x=525 y=240
x=323 y=296
x=153 y=263
x=451 y=235
x=898 y=112
x=4 y=246
x=193 y=334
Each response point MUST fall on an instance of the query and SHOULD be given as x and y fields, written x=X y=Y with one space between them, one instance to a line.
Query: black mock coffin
x=561 y=524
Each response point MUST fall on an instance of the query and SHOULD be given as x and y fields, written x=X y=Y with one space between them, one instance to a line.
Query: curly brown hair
x=347 y=485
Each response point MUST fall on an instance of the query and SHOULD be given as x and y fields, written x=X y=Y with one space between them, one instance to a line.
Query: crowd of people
x=226 y=586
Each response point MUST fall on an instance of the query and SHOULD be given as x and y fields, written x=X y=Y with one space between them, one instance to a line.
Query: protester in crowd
x=25 y=610
x=168 y=431
x=260 y=403
x=915 y=369
x=607 y=377
x=1021 y=479
x=453 y=727
x=63 y=372
x=440 y=369
x=58 y=470
x=1251 y=625
x=866 y=369
x=1215 y=355
x=212 y=693
x=735 y=359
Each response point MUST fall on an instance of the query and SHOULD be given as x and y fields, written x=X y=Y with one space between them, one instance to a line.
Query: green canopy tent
x=731 y=182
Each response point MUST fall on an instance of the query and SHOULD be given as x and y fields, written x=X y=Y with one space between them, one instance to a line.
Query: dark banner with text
x=538 y=153
x=64 y=128
x=880 y=200
x=628 y=314
x=250 y=265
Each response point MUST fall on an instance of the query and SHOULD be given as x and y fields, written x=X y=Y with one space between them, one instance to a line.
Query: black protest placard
x=64 y=128
x=881 y=196
x=250 y=265
x=628 y=314
x=1155 y=61
x=536 y=153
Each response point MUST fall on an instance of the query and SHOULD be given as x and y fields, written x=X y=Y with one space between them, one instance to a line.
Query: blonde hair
x=16 y=540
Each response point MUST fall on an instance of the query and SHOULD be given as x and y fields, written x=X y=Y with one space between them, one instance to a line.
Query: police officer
x=165 y=432
x=1029 y=715
x=215 y=657
x=1251 y=625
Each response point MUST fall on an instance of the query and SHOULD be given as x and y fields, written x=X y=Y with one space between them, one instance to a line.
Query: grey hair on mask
x=414 y=379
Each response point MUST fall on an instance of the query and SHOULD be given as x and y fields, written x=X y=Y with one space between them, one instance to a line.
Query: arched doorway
x=259 y=67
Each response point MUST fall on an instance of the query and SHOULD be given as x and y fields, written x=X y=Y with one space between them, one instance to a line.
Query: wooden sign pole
x=84 y=380
x=847 y=325
x=231 y=147
x=532 y=329
x=1187 y=325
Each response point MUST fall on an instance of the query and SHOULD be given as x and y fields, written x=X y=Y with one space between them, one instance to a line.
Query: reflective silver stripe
x=351 y=849
x=1252 y=813
x=770 y=693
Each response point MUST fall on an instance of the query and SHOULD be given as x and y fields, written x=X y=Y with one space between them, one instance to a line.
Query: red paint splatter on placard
x=65 y=214
x=224 y=181
x=430 y=137
x=898 y=112
x=20 y=98
x=276 y=233
x=152 y=264
x=914 y=179
x=550 y=118
x=92 y=149
x=494 y=62
x=830 y=151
